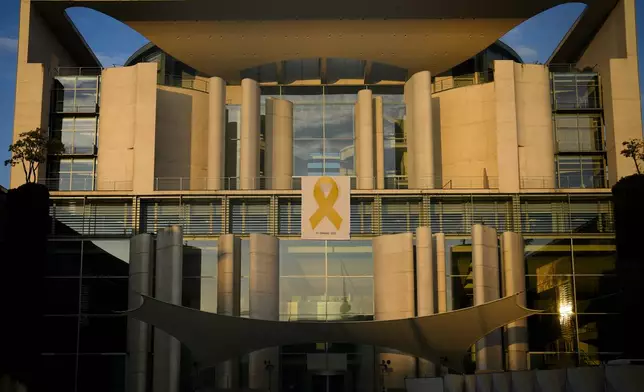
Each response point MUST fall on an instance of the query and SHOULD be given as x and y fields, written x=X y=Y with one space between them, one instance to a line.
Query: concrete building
x=491 y=175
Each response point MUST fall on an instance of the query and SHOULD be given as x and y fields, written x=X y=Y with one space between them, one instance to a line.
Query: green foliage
x=634 y=149
x=31 y=150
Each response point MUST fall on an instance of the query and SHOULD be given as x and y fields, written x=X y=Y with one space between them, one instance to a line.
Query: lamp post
x=384 y=368
x=268 y=366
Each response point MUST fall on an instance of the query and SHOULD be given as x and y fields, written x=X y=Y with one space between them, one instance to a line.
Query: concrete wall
x=127 y=127
x=39 y=53
x=181 y=142
x=613 y=53
x=465 y=119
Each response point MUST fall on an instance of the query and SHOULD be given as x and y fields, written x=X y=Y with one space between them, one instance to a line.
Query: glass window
x=338 y=68
x=104 y=295
x=600 y=333
x=547 y=257
x=579 y=133
x=302 y=258
x=581 y=171
x=60 y=296
x=76 y=94
x=106 y=258
x=63 y=258
x=200 y=259
x=59 y=334
x=552 y=294
x=462 y=289
x=576 y=91
x=58 y=370
x=308 y=158
x=555 y=334
x=594 y=256
x=302 y=298
x=200 y=293
x=597 y=294
x=307 y=121
x=72 y=174
x=349 y=296
x=306 y=69
x=109 y=369
x=103 y=334
x=352 y=258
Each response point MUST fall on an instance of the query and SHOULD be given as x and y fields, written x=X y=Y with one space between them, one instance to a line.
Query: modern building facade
x=440 y=125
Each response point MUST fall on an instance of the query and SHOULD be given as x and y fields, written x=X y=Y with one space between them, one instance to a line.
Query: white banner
x=326 y=208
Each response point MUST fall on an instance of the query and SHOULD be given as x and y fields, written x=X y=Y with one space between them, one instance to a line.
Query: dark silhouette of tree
x=634 y=149
x=31 y=150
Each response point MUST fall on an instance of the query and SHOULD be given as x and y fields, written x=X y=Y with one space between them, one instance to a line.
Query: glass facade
x=569 y=260
x=580 y=145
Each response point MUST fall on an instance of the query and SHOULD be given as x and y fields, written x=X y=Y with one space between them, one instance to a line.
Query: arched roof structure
x=222 y=38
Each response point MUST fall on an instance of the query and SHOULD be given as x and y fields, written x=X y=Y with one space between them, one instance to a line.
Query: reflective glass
x=58 y=370
x=83 y=165
x=302 y=258
x=85 y=124
x=60 y=295
x=307 y=121
x=66 y=82
x=460 y=254
x=594 y=256
x=555 y=334
x=106 y=258
x=58 y=334
x=104 y=295
x=308 y=158
x=200 y=293
x=86 y=82
x=101 y=373
x=353 y=258
x=462 y=292
x=552 y=294
x=349 y=296
x=85 y=100
x=339 y=157
x=303 y=298
x=200 y=259
x=338 y=121
x=546 y=257
x=600 y=333
x=598 y=294
x=554 y=360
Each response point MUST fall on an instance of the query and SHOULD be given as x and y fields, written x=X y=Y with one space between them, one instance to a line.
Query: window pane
x=66 y=82
x=302 y=258
x=84 y=142
x=349 y=297
x=594 y=256
x=85 y=101
x=307 y=121
x=462 y=292
x=600 y=333
x=338 y=121
x=200 y=293
x=59 y=334
x=555 y=333
x=200 y=259
x=104 y=295
x=86 y=124
x=302 y=298
x=545 y=257
x=106 y=258
x=61 y=295
x=86 y=165
x=82 y=182
x=552 y=294
x=67 y=138
x=103 y=334
x=307 y=157
x=86 y=82
x=57 y=371
x=101 y=373
x=597 y=294
x=338 y=157
x=63 y=258
x=351 y=259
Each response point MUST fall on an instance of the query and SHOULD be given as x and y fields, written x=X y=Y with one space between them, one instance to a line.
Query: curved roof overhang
x=442 y=338
x=223 y=38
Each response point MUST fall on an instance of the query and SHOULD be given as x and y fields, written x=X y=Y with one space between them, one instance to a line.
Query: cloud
x=8 y=44
x=527 y=54
x=110 y=59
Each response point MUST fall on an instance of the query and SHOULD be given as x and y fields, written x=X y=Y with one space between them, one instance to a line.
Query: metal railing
x=77 y=71
x=451 y=82
x=84 y=184
x=570 y=68
x=595 y=182
x=178 y=81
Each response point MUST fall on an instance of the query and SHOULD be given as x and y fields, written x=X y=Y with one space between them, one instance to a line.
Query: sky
x=113 y=43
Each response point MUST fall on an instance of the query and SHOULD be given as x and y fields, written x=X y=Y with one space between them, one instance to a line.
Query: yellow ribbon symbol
x=326 y=203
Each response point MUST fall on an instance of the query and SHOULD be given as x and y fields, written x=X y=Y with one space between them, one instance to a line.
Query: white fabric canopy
x=443 y=337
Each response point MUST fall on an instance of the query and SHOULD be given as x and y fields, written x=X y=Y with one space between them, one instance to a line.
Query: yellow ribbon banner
x=326 y=203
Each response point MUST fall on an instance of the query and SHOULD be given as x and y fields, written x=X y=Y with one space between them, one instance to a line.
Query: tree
x=31 y=150
x=634 y=149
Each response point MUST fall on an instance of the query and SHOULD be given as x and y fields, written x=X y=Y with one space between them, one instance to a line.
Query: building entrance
x=328 y=383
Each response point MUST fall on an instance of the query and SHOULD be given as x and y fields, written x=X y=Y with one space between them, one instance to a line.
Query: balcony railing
x=589 y=182
x=192 y=84
x=77 y=71
x=451 y=82
x=84 y=184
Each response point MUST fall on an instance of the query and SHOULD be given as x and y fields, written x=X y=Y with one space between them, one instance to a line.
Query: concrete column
x=138 y=333
x=228 y=300
x=512 y=258
x=394 y=296
x=216 y=133
x=278 y=165
x=264 y=304
x=378 y=121
x=249 y=165
x=507 y=141
x=425 y=286
x=486 y=274
x=441 y=273
x=420 y=137
x=168 y=285
x=364 y=140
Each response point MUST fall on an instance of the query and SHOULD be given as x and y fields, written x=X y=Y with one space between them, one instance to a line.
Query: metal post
x=269 y=369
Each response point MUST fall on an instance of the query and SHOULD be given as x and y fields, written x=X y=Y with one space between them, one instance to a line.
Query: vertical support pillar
x=394 y=298
x=419 y=129
x=279 y=144
x=249 y=165
x=264 y=304
x=168 y=286
x=425 y=287
x=486 y=274
x=507 y=135
x=441 y=273
x=228 y=300
x=364 y=140
x=512 y=257
x=138 y=333
x=378 y=121
x=216 y=133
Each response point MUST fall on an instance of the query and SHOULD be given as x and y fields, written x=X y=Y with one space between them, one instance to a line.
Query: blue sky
x=114 y=42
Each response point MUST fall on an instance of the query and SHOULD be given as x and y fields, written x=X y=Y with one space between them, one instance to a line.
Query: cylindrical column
x=216 y=132
x=425 y=286
x=441 y=274
x=228 y=300
x=364 y=140
x=512 y=257
x=486 y=274
x=264 y=304
x=394 y=297
x=419 y=129
x=378 y=121
x=278 y=164
x=141 y=256
x=249 y=129
x=168 y=286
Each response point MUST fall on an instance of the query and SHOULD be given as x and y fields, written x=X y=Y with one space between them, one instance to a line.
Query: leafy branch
x=31 y=150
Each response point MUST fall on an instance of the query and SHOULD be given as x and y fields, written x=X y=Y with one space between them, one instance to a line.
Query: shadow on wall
x=173 y=140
